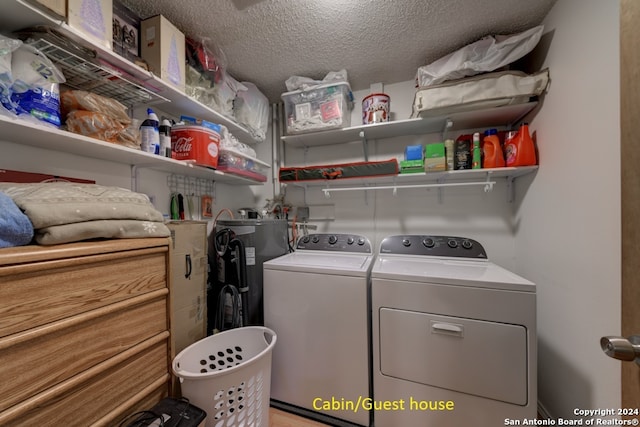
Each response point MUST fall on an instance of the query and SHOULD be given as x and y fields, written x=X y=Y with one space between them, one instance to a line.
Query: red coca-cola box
x=198 y=144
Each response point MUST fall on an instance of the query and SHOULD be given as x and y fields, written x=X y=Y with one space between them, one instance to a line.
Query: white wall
x=568 y=224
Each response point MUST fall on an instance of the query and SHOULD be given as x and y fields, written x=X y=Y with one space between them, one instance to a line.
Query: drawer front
x=50 y=355
x=486 y=359
x=104 y=393
x=38 y=293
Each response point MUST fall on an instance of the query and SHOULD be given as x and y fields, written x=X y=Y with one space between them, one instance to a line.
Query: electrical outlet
x=302 y=213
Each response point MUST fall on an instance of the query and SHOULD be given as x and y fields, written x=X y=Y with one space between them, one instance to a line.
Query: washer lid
x=482 y=274
x=346 y=264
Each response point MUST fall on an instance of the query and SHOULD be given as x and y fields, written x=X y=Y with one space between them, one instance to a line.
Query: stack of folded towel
x=64 y=212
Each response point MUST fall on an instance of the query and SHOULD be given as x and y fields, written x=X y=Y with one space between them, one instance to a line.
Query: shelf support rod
x=327 y=192
x=486 y=184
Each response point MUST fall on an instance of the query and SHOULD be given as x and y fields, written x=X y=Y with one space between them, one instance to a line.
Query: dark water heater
x=260 y=240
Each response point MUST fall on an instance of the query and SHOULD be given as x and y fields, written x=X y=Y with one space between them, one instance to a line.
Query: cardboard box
x=162 y=45
x=434 y=157
x=126 y=31
x=92 y=18
x=411 y=166
x=188 y=284
x=413 y=152
x=57 y=6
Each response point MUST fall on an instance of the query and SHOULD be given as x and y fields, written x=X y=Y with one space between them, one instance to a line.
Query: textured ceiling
x=267 y=41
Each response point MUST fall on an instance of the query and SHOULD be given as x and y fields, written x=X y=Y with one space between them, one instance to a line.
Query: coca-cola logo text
x=183 y=145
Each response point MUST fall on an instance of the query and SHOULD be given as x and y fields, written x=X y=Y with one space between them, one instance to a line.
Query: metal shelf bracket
x=365 y=145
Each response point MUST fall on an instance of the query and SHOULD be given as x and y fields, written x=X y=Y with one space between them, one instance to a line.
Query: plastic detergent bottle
x=493 y=155
x=520 y=150
x=165 y=138
x=150 y=134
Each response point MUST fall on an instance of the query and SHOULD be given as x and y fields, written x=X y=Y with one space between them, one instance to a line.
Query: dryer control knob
x=305 y=239
x=429 y=242
x=406 y=242
x=467 y=244
x=360 y=241
x=452 y=243
x=315 y=239
x=332 y=240
x=350 y=240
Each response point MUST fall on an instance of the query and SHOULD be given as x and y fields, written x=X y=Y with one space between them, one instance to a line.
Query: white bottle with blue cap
x=150 y=133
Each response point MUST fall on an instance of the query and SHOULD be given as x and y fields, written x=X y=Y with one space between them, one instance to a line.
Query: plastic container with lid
x=322 y=107
x=197 y=144
x=375 y=109
x=493 y=155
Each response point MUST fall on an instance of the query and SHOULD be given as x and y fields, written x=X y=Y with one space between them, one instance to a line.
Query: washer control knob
x=452 y=243
x=315 y=239
x=406 y=243
x=305 y=239
x=429 y=242
x=332 y=239
x=350 y=240
x=467 y=244
x=360 y=241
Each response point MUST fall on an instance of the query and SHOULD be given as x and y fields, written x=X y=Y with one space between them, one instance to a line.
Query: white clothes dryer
x=454 y=336
x=316 y=301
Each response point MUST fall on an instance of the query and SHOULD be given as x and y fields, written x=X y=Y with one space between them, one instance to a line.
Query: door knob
x=622 y=348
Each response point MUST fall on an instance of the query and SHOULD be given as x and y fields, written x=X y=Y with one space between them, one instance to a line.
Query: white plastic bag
x=305 y=83
x=35 y=89
x=252 y=110
x=224 y=93
x=7 y=46
x=487 y=54
x=229 y=142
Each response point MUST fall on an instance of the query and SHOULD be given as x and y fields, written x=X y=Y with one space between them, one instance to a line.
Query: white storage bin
x=323 y=107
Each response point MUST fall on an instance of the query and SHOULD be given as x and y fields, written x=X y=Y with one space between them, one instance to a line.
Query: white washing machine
x=454 y=336
x=316 y=301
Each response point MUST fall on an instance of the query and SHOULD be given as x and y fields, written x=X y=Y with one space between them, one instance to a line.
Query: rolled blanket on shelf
x=15 y=227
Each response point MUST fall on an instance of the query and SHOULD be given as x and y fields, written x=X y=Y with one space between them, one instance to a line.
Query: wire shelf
x=83 y=75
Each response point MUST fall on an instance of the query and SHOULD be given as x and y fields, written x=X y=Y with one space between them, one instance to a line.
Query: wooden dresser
x=84 y=337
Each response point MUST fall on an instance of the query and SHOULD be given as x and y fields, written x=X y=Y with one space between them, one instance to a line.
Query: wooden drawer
x=109 y=388
x=39 y=286
x=51 y=354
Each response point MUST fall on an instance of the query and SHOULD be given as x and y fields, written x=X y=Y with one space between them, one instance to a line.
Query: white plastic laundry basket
x=228 y=375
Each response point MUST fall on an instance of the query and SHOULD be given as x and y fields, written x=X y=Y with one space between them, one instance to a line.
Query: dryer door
x=486 y=359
